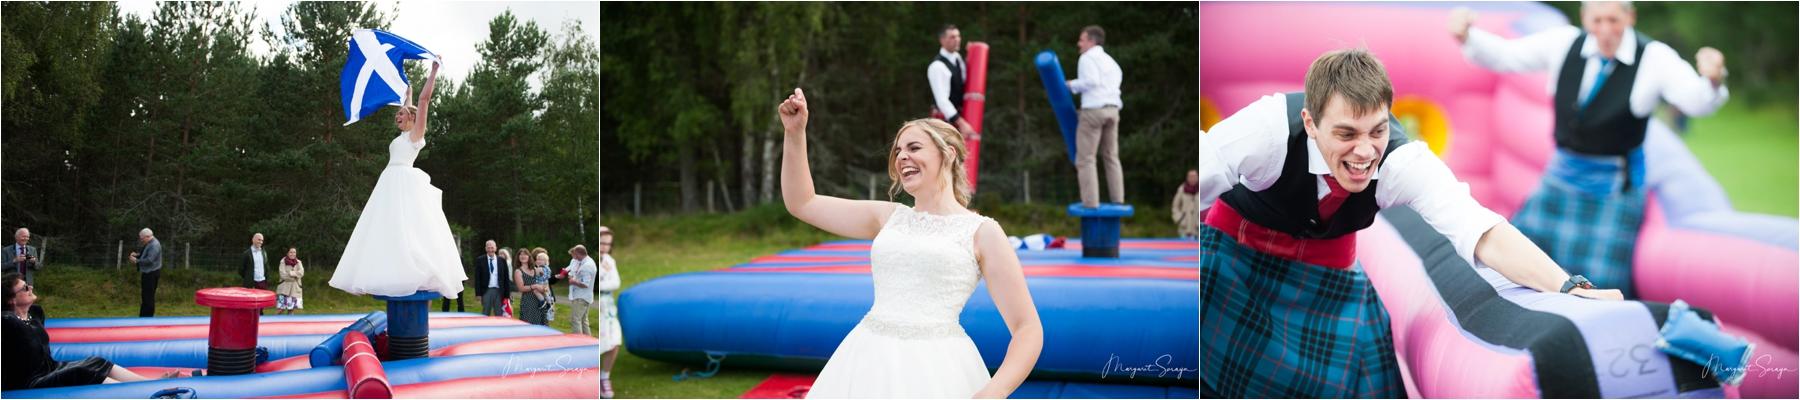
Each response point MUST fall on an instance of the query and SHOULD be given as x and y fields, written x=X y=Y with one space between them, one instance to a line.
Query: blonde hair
x=949 y=142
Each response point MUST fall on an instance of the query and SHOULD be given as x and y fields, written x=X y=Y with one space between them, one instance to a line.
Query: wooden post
x=637 y=199
x=871 y=186
x=187 y=255
x=709 y=196
x=1028 y=187
x=119 y=256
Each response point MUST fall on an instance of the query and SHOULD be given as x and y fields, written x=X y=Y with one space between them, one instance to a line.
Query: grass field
x=1754 y=153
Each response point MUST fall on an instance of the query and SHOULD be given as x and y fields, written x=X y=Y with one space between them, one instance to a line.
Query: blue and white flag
x=373 y=76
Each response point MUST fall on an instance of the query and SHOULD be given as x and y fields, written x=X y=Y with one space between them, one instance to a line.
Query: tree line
x=691 y=88
x=114 y=122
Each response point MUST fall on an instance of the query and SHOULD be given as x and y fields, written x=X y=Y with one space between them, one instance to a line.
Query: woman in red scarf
x=1186 y=210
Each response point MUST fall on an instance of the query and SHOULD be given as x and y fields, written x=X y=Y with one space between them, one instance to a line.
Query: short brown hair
x=1096 y=34
x=1353 y=73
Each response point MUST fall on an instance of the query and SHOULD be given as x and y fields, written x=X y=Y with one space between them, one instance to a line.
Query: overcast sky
x=450 y=29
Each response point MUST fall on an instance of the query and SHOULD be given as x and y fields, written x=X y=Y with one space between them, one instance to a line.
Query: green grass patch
x=1752 y=151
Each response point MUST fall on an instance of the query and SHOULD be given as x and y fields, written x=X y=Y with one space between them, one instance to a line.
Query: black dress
x=28 y=364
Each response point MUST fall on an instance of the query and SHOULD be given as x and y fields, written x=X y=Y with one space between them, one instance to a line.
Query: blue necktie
x=1599 y=80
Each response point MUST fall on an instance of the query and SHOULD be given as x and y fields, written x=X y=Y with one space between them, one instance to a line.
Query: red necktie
x=1329 y=205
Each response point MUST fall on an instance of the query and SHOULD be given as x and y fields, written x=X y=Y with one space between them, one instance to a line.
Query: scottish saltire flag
x=372 y=75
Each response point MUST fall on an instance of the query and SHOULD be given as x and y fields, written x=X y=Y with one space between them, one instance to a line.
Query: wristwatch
x=1576 y=281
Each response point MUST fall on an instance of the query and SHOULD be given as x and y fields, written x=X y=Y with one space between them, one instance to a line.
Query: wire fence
x=116 y=254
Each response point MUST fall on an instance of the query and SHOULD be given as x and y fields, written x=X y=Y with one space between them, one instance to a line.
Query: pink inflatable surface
x=1493 y=130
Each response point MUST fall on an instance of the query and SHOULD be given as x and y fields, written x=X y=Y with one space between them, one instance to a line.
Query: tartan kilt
x=1587 y=234
x=1275 y=328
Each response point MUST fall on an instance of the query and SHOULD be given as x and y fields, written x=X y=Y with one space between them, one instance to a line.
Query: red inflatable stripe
x=581 y=383
x=487 y=346
x=799 y=259
x=781 y=386
x=1053 y=270
x=1128 y=245
x=175 y=332
x=516 y=344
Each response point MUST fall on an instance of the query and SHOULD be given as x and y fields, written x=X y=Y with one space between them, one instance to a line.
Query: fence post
x=637 y=199
x=44 y=253
x=709 y=196
x=119 y=256
x=187 y=255
x=871 y=186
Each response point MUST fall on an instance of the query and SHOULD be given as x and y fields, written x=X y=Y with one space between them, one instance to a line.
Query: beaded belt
x=912 y=330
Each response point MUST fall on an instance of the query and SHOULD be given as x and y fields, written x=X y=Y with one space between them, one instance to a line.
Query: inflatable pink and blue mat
x=1462 y=331
x=304 y=356
x=1113 y=327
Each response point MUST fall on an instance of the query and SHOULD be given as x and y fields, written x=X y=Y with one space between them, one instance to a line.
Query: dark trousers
x=147 y=292
x=444 y=304
x=490 y=302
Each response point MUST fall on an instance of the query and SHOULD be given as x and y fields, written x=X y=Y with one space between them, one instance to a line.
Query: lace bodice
x=402 y=151
x=924 y=270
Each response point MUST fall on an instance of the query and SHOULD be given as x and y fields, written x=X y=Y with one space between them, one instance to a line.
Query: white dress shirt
x=1662 y=74
x=939 y=77
x=1098 y=78
x=1250 y=147
x=256 y=253
x=493 y=273
x=583 y=271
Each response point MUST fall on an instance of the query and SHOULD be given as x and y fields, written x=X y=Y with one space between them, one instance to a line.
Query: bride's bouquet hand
x=793 y=112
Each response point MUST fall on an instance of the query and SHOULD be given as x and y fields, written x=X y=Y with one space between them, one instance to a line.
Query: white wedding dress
x=402 y=243
x=911 y=343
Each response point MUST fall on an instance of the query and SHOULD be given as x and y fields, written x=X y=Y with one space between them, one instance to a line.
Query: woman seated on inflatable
x=1289 y=181
x=28 y=362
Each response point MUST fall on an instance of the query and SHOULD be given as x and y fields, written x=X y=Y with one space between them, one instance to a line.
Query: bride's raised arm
x=425 y=104
x=860 y=219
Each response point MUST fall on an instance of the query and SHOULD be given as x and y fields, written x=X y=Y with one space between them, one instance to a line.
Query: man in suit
x=254 y=267
x=493 y=280
x=21 y=257
x=149 y=263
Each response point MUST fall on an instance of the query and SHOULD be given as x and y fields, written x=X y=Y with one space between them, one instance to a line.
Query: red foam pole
x=974 y=103
x=363 y=375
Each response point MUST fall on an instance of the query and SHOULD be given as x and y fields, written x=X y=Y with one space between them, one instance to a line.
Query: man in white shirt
x=581 y=272
x=1606 y=80
x=946 y=74
x=253 y=269
x=1285 y=184
x=1097 y=79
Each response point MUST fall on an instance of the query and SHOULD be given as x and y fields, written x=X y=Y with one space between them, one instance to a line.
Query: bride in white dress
x=402 y=242
x=926 y=261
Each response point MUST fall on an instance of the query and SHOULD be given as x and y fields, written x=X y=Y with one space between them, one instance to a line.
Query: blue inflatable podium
x=409 y=325
x=1100 y=228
